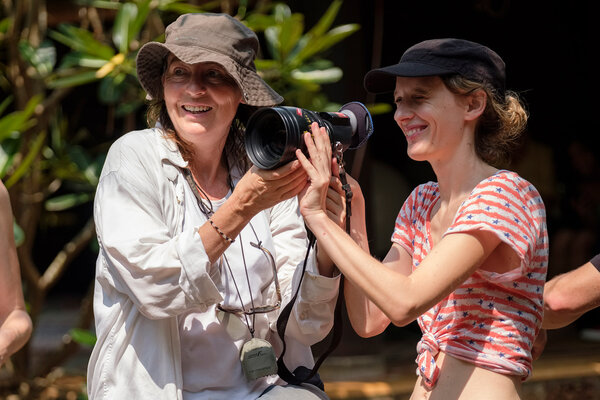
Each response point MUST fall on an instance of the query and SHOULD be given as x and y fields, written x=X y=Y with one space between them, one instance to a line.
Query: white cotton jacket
x=154 y=280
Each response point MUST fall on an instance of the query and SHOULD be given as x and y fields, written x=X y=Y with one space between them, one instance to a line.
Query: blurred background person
x=15 y=323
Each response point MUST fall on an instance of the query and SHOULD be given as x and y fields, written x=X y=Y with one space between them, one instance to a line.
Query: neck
x=457 y=179
x=211 y=176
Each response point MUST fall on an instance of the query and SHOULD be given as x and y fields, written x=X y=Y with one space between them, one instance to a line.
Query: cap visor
x=382 y=80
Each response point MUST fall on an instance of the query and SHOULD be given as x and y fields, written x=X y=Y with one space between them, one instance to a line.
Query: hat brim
x=150 y=59
x=383 y=80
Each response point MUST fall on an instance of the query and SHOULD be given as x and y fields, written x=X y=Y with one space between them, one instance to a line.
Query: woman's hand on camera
x=313 y=199
x=336 y=197
x=260 y=189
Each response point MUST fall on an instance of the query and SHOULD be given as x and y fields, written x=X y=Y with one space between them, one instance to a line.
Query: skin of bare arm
x=15 y=323
x=401 y=298
x=257 y=190
x=569 y=295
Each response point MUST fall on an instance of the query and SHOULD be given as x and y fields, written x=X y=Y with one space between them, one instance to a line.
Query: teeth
x=194 y=109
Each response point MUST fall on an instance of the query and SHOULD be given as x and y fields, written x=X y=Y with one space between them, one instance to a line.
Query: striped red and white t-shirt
x=492 y=319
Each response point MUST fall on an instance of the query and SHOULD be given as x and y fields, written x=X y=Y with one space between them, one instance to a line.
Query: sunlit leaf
x=123 y=20
x=77 y=78
x=82 y=336
x=320 y=76
x=290 y=32
x=19 y=234
x=5 y=24
x=326 y=20
x=77 y=59
x=67 y=201
x=143 y=9
x=18 y=121
x=331 y=38
x=81 y=40
x=379 y=108
x=5 y=103
x=25 y=165
x=43 y=58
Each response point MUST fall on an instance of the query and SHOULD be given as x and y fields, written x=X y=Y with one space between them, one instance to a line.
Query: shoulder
x=136 y=142
x=142 y=150
x=509 y=188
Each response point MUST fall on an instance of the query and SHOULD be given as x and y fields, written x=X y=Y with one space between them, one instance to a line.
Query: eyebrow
x=417 y=90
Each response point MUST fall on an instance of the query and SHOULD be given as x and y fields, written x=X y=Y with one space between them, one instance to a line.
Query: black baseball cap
x=438 y=57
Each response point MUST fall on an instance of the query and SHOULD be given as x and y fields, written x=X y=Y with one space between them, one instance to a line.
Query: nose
x=196 y=86
x=402 y=113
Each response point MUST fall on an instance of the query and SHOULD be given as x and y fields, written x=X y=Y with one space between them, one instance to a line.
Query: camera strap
x=303 y=374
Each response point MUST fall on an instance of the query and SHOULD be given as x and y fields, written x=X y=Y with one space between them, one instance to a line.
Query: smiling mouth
x=413 y=131
x=196 y=110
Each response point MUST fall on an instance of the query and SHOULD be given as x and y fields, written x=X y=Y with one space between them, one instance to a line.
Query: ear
x=476 y=103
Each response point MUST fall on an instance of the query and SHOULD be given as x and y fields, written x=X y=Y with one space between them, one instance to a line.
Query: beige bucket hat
x=208 y=37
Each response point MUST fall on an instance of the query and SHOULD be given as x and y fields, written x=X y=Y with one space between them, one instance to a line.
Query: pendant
x=258 y=359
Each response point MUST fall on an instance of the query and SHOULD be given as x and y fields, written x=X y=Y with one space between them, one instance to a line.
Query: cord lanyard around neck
x=257 y=356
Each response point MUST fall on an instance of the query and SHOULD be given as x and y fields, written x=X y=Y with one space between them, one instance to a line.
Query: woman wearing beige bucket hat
x=198 y=250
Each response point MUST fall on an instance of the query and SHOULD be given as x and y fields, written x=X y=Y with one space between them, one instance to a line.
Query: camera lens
x=274 y=134
x=273 y=137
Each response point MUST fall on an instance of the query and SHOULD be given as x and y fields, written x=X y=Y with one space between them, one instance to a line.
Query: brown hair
x=500 y=126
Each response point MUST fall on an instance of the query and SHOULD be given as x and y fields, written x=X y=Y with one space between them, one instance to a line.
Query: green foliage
x=83 y=337
x=297 y=69
x=11 y=128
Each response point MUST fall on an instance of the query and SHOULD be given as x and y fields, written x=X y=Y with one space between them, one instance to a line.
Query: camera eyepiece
x=274 y=133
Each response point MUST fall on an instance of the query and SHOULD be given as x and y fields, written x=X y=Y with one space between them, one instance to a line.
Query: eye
x=216 y=75
x=177 y=71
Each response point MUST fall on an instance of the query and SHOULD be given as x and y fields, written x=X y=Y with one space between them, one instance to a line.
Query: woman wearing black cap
x=469 y=252
x=198 y=252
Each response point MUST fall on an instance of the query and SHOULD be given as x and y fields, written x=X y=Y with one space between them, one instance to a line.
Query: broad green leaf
x=5 y=24
x=82 y=336
x=5 y=103
x=24 y=166
x=42 y=59
x=331 y=38
x=290 y=32
x=319 y=76
x=9 y=148
x=143 y=9
x=123 y=20
x=77 y=59
x=281 y=12
x=326 y=20
x=67 y=201
x=266 y=64
x=81 y=40
x=18 y=121
x=272 y=41
x=76 y=79
x=259 y=22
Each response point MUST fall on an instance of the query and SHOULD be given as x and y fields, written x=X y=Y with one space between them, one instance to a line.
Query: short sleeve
x=596 y=262
x=508 y=206
x=409 y=227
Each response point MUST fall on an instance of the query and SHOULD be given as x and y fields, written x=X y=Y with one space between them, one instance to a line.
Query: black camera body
x=273 y=134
